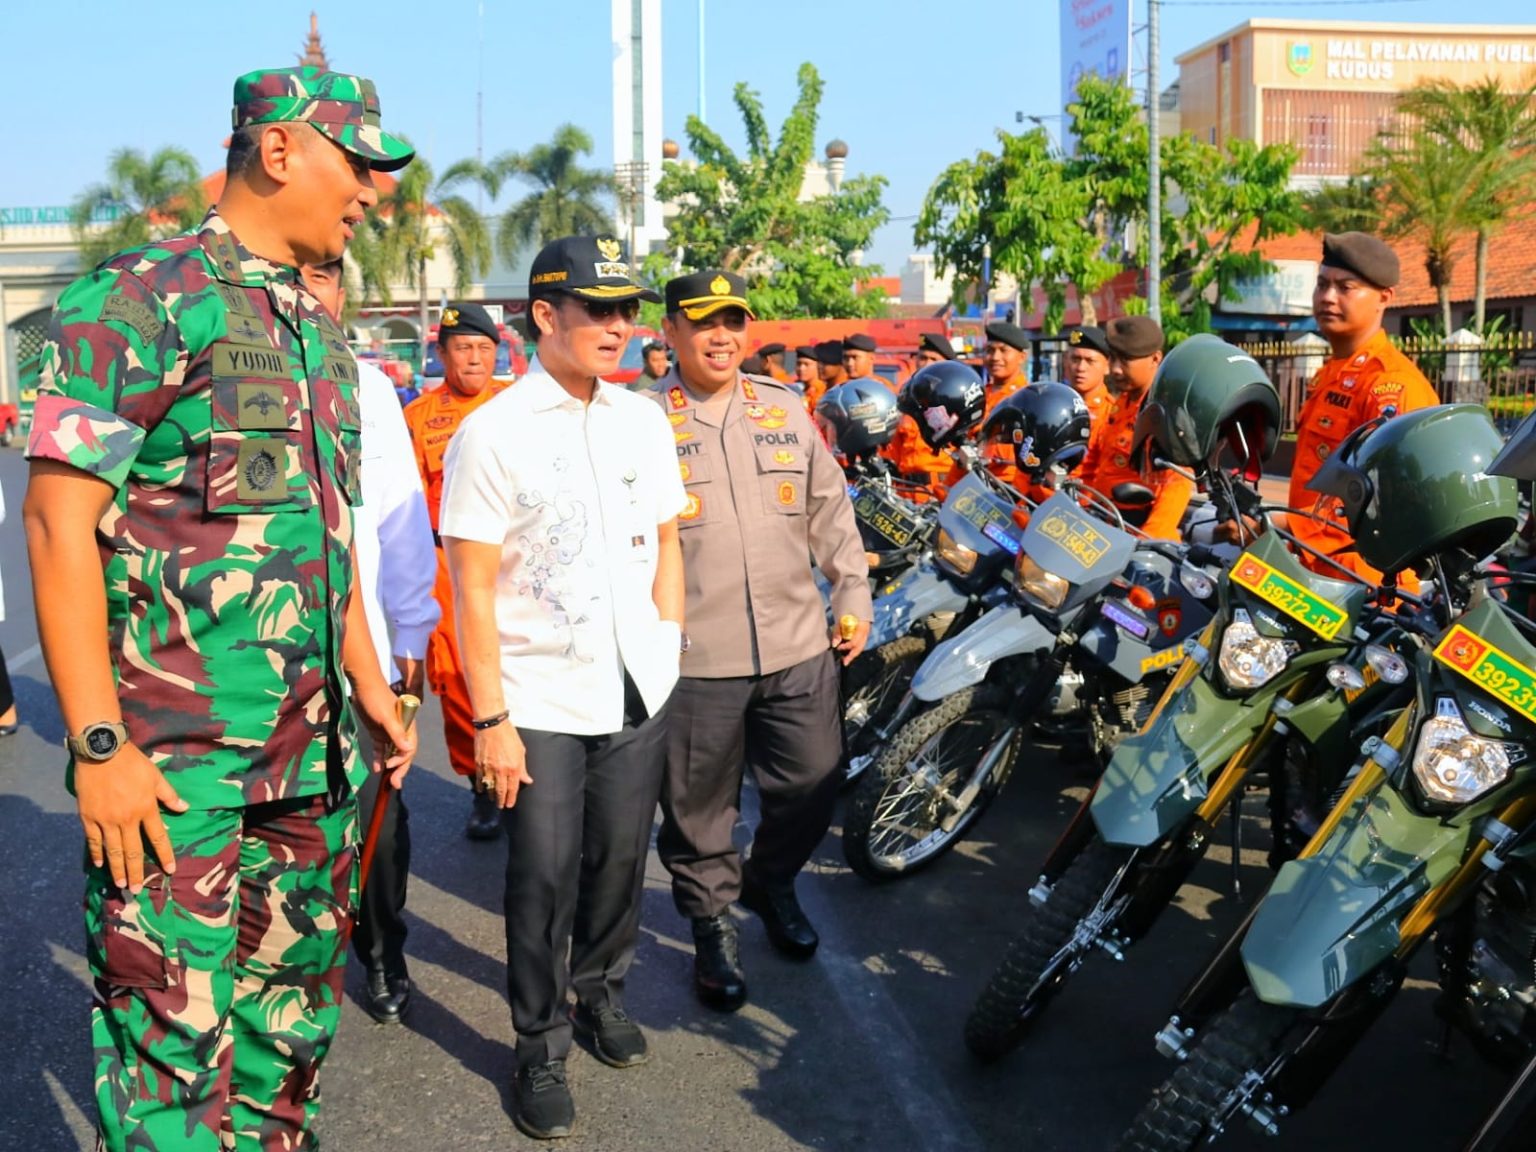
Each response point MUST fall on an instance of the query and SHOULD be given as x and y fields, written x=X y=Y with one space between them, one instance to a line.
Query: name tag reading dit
x=1295 y=600
x=1490 y=668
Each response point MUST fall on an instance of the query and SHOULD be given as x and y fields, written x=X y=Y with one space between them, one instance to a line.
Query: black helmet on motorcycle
x=1047 y=424
x=859 y=418
x=1207 y=394
x=1418 y=484
x=947 y=401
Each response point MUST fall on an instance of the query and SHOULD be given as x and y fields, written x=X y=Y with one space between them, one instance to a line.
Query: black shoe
x=616 y=1039
x=544 y=1109
x=717 y=976
x=484 y=817
x=388 y=997
x=788 y=929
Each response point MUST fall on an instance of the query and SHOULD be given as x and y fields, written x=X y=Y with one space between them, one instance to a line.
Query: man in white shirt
x=396 y=561
x=559 y=517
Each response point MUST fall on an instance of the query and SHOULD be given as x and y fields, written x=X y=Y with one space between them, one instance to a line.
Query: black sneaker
x=616 y=1039
x=544 y=1109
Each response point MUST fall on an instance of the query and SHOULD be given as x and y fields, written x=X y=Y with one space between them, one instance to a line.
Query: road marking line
x=25 y=658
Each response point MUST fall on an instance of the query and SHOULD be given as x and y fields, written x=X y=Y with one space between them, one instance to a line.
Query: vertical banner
x=1095 y=37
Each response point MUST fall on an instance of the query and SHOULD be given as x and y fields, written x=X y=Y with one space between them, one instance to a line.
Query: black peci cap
x=591 y=267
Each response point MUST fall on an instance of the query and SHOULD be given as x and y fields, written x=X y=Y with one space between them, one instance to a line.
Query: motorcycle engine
x=1116 y=715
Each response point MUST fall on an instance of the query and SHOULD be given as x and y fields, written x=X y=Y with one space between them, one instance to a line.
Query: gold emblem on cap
x=720 y=286
x=609 y=248
x=1076 y=337
x=450 y=318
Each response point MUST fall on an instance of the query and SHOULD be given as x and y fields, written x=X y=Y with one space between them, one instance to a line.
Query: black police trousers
x=378 y=933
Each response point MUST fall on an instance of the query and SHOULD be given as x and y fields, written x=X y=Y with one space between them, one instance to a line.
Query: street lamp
x=630 y=176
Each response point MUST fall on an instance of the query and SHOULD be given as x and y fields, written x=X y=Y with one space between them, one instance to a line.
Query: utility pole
x=1154 y=173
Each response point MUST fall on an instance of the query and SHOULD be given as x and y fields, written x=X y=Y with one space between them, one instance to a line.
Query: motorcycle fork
x=1077 y=836
x=1218 y=984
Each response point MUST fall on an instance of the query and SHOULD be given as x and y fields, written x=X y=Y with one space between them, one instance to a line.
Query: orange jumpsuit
x=1345 y=393
x=1108 y=463
x=433 y=418
x=1099 y=401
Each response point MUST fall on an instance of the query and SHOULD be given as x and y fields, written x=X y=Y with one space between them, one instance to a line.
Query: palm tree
x=1353 y=206
x=403 y=232
x=1493 y=133
x=152 y=197
x=567 y=200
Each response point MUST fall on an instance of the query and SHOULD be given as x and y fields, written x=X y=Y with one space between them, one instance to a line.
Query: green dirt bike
x=1433 y=837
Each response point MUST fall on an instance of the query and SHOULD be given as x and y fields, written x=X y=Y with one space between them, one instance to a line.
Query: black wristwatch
x=98 y=742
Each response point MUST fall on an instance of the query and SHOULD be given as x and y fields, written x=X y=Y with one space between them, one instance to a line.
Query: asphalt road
x=858 y=1049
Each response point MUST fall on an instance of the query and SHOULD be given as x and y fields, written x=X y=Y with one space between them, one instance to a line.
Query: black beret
x=806 y=352
x=937 y=344
x=699 y=295
x=1364 y=255
x=465 y=319
x=1089 y=336
x=772 y=350
x=1132 y=337
x=830 y=352
x=1009 y=334
x=859 y=342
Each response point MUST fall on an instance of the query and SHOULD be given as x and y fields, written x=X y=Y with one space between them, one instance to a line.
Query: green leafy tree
x=1490 y=135
x=568 y=200
x=152 y=197
x=744 y=213
x=1353 y=206
x=1077 y=220
x=418 y=215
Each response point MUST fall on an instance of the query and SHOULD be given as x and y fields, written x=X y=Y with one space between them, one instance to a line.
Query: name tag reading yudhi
x=1490 y=668
x=1295 y=600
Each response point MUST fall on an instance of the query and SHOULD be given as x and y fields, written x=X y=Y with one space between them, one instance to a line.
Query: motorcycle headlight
x=954 y=555
x=1452 y=763
x=1248 y=660
x=1046 y=587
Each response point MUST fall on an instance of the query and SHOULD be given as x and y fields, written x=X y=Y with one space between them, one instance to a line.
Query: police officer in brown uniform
x=759 y=674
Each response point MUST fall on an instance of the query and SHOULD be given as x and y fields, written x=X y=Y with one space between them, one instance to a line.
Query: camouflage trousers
x=218 y=989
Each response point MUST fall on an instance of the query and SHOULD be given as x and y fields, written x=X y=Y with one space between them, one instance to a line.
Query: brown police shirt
x=765 y=499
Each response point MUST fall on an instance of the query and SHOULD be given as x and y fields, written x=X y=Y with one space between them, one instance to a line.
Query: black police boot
x=484 y=817
x=718 y=980
x=388 y=998
x=788 y=929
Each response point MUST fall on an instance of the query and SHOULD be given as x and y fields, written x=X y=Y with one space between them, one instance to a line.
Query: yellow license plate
x=1294 y=600
x=1490 y=668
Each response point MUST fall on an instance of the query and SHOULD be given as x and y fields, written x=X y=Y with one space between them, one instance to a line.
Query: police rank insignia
x=676 y=418
x=748 y=391
x=676 y=398
x=782 y=457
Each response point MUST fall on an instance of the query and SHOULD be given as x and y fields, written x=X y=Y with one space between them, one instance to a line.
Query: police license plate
x=1295 y=600
x=1490 y=668
x=887 y=517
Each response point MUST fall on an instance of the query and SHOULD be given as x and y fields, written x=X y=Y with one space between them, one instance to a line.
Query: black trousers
x=577 y=840
x=378 y=936
x=7 y=696
x=784 y=726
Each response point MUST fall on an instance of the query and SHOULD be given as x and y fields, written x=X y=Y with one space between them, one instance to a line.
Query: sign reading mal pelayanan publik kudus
x=1095 y=37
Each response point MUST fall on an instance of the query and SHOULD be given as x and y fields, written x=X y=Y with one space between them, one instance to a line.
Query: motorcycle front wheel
x=895 y=820
x=873 y=686
x=1041 y=958
x=1199 y=1099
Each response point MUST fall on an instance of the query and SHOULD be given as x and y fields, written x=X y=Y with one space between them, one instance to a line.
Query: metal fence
x=1500 y=372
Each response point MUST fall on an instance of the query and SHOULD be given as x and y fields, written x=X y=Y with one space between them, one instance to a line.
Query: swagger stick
x=406 y=708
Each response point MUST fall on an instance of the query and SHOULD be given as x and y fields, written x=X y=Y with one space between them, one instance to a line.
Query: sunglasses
x=601 y=310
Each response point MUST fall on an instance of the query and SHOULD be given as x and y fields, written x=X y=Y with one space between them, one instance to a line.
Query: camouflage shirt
x=211 y=390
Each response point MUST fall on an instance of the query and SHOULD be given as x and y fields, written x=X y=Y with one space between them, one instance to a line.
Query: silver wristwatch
x=98 y=742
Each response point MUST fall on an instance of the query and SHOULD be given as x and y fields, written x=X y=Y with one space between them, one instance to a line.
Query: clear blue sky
x=911 y=86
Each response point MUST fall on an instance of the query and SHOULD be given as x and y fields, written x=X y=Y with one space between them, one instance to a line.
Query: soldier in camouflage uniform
x=195 y=461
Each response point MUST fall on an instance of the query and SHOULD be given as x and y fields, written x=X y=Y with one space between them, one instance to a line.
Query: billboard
x=1095 y=37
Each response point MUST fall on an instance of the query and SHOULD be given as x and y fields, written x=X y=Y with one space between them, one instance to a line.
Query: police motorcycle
x=942 y=591
x=1264 y=699
x=1432 y=834
x=1086 y=596
x=857 y=420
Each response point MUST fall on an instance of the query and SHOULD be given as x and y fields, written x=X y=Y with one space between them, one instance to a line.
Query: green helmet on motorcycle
x=1418 y=484
x=1208 y=394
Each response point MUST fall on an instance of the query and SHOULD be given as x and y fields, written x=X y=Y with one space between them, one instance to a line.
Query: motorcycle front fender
x=917 y=594
x=1159 y=776
x=963 y=660
x=1331 y=919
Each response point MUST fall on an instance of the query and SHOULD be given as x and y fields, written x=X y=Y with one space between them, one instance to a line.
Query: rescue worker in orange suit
x=910 y=452
x=807 y=373
x=1135 y=351
x=1363 y=377
x=1085 y=366
x=830 y=372
x=773 y=361
x=466 y=340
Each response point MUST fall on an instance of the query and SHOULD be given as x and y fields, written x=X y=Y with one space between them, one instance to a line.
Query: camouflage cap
x=343 y=108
